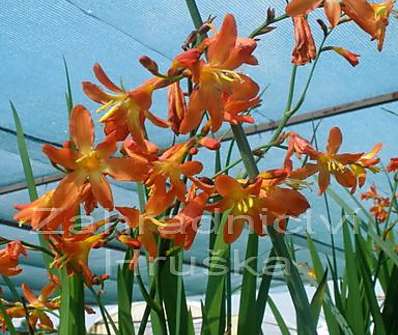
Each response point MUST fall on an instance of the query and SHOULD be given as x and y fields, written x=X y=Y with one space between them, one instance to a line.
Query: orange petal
x=132 y=215
x=241 y=54
x=68 y=191
x=323 y=179
x=101 y=190
x=233 y=229
x=82 y=128
x=104 y=79
x=210 y=143
x=346 y=178
x=284 y=201
x=222 y=44
x=149 y=242
x=215 y=108
x=333 y=11
x=335 y=140
x=28 y=294
x=191 y=168
x=303 y=173
x=244 y=89
x=135 y=123
x=95 y=93
x=194 y=113
x=228 y=186
x=106 y=148
x=301 y=7
x=159 y=201
x=157 y=121
x=348 y=158
x=62 y=156
x=362 y=13
x=127 y=168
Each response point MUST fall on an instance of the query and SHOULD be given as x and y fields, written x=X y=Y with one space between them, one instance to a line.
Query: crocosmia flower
x=304 y=49
x=244 y=204
x=372 y=18
x=72 y=250
x=393 y=165
x=182 y=228
x=88 y=164
x=126 y=110
x=9 y=258
x=216 y=77
x=380 y=205
x=329 y=163
x=165 y=177
x=39 y=305
x=303 y=7
x=147 y=225
x=366 y=162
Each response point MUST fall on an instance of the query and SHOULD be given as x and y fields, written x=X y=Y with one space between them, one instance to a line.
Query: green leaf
x=214 y=299
x=387 y=246
x=319 y=272
x=318 y=298
x=173 y=295
x=68 y=94
x=247 y=309
x=305 y=323
x=191 y=328
x=340 y=319
x=354 y=301
x=125 y=280
x=30 y=180
x=278 y=317
x=72 y=313
x=263 y=290
x=370 y=294
x=390 y=310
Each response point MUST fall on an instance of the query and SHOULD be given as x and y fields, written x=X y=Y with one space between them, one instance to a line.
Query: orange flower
x=393 y=165
x=260 y=204
x=372 y=18
x=329 y=163
x=303 y=7
x=240 y=101
x=42 y=214
x=177 y=106
x=88 y=164
x=366 y=162
x=183 y=227
x=9 y=257
x=38 y=305
x=147 y=225
x=351 y=57
x=35 y=212
x=125 y=109
x=380 y=204
x=304 y=49
x=280 y=202
x=73 y=250
x=15 y=312
x=169 y=167
x=225 y=52
x=244 y=204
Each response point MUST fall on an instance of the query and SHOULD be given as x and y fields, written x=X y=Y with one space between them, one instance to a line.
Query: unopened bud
x=150 y=65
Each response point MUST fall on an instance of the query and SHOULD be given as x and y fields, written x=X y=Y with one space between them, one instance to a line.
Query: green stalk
x=72 y=313
x=294 y=281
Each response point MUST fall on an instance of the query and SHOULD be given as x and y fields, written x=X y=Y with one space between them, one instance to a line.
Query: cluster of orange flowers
x=177 y=194
x=370 y=17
